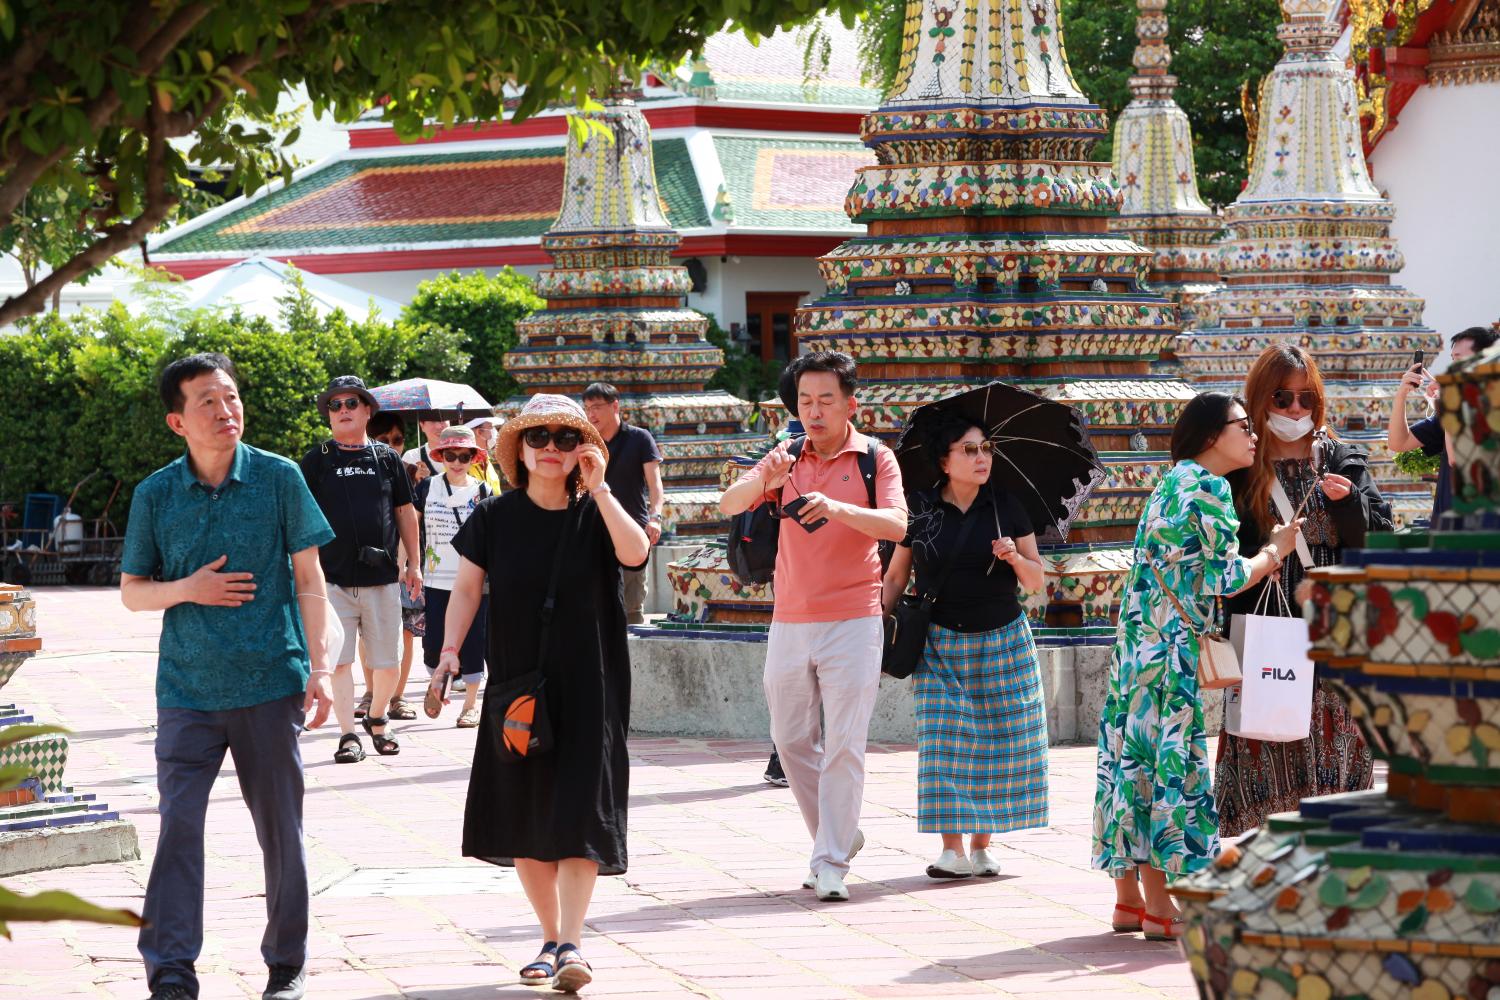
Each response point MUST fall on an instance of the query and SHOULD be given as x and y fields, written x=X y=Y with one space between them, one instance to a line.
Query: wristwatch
x=653 y=519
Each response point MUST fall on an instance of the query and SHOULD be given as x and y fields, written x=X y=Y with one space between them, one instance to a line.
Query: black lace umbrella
x=1043 y=456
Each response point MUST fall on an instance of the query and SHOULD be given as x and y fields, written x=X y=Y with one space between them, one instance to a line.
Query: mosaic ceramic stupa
x=989 y=255
x=616 y=312
x=1395 y=892
x=1154 y=168
x=1308 y=256
x=42 y=801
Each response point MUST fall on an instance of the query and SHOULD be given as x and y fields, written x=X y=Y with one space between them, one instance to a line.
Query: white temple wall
x=730 y=280
x=402 y=285
x=1439 y=167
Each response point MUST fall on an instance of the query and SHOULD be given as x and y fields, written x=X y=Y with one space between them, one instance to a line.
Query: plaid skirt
x=981 y=732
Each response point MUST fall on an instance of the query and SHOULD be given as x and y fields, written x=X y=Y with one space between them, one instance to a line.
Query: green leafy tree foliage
x=92 y=92
x=483 y=311
x=1217 y=45
x=81 y=391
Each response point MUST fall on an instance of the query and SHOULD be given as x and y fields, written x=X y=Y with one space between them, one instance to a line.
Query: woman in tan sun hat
x=558 y=818
x=443 y=504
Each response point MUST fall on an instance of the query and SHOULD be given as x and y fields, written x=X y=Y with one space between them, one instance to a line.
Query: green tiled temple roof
x=780 y=183
x=424 y=198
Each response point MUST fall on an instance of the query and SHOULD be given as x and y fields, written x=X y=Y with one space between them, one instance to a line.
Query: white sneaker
x=984 y=863
x=811 y=881
x=830 y=886
x=950 y=864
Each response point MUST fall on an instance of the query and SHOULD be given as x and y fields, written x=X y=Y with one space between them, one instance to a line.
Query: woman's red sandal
x=1171 y=928
x=1134 y=915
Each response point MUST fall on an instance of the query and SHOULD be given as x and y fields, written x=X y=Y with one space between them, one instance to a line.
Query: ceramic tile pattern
x=711 y=907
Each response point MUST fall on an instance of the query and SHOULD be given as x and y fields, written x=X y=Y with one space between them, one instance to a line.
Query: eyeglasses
x=458 y=455
x=974 y=449
x=566 y=438
x=335 y=405
x=1282 y=398
x=1243 y=423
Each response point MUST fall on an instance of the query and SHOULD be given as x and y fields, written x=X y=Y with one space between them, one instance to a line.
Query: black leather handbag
x=906 y=625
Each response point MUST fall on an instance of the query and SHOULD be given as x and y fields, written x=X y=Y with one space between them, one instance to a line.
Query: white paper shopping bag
x=1274 y=701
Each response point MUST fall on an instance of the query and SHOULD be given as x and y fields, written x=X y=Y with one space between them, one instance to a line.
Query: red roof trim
x=745 y=245
x=1406 y=67
x=699 y=115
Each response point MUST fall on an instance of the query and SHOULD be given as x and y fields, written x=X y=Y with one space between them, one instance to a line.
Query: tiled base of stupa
x=43 y=822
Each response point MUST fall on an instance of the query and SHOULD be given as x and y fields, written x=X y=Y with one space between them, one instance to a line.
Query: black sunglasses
x=458 y=455
x=1243 y=422
x=1282 y=398
x=335 y=405
x=566 y=438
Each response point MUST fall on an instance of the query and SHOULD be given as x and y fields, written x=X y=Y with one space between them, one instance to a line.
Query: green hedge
x=80 y=392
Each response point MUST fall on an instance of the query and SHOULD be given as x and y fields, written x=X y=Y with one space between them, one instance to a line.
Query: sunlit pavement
x=712 y=905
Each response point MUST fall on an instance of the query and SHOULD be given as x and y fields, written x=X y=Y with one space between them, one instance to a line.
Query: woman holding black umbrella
x=981 y=721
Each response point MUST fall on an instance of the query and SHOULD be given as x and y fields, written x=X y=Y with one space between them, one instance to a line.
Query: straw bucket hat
x=545 y=409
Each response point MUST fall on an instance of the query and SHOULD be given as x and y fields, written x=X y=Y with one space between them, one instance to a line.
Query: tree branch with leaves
x=93 y=91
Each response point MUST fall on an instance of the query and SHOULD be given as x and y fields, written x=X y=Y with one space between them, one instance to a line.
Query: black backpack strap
x=866 y=460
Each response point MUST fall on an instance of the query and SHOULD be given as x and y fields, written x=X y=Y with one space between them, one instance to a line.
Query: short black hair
x=383 y=422
x=1201 y=422
x=1482 y=337
x=187 y=368
x=786 y=388
x=836 y=362
x=601 y=390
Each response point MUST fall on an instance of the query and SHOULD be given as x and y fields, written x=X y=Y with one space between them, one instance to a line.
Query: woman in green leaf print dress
x=1154 y=814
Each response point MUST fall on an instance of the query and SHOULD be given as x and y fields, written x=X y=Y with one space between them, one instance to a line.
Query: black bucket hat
x=346 y=383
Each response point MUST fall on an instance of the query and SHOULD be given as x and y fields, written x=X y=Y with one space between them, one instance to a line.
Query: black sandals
x=384 y=745
x=350 y=750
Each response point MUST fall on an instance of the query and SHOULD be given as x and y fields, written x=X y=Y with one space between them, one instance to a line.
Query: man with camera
x=366 y=496
x=825 y=643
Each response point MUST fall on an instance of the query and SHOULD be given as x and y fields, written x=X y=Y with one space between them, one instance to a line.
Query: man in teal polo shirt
x=224 y=540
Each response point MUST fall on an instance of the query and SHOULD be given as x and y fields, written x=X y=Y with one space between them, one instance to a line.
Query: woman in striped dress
x=981 y=722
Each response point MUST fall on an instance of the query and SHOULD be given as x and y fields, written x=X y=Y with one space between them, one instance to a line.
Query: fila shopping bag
x=1273 y=701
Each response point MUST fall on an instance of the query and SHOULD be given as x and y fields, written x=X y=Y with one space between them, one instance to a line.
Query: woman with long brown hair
x=1301 y=464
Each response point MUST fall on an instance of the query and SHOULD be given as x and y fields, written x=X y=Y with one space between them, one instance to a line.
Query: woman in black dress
x=558 y=818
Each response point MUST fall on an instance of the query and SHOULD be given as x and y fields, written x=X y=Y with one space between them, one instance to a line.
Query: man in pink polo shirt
x=825 y=643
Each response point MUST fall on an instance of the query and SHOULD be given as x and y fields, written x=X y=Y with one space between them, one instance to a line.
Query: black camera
x=375 y=558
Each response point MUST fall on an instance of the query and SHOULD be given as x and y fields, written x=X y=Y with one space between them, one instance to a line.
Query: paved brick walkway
x=711 y=907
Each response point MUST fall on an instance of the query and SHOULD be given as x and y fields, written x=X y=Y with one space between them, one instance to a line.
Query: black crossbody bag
x=524 y=730
x=906 y=625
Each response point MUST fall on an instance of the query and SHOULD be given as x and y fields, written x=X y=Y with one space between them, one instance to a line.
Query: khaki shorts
x=372 y=616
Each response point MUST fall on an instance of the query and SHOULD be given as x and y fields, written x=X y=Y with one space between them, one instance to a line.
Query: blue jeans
x=190 y=748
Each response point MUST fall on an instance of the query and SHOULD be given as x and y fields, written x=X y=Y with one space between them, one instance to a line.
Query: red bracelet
x=447 y=649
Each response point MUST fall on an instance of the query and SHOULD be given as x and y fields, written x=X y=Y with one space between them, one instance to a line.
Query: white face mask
x=1288 y=429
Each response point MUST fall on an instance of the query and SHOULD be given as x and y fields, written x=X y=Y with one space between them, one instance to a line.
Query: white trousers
x=835 y=666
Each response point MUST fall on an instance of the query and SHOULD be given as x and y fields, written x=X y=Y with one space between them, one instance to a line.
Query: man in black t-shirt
x=633 y=475
x=364 y=492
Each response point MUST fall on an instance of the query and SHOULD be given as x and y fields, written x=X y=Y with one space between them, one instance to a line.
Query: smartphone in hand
x=792 y=509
